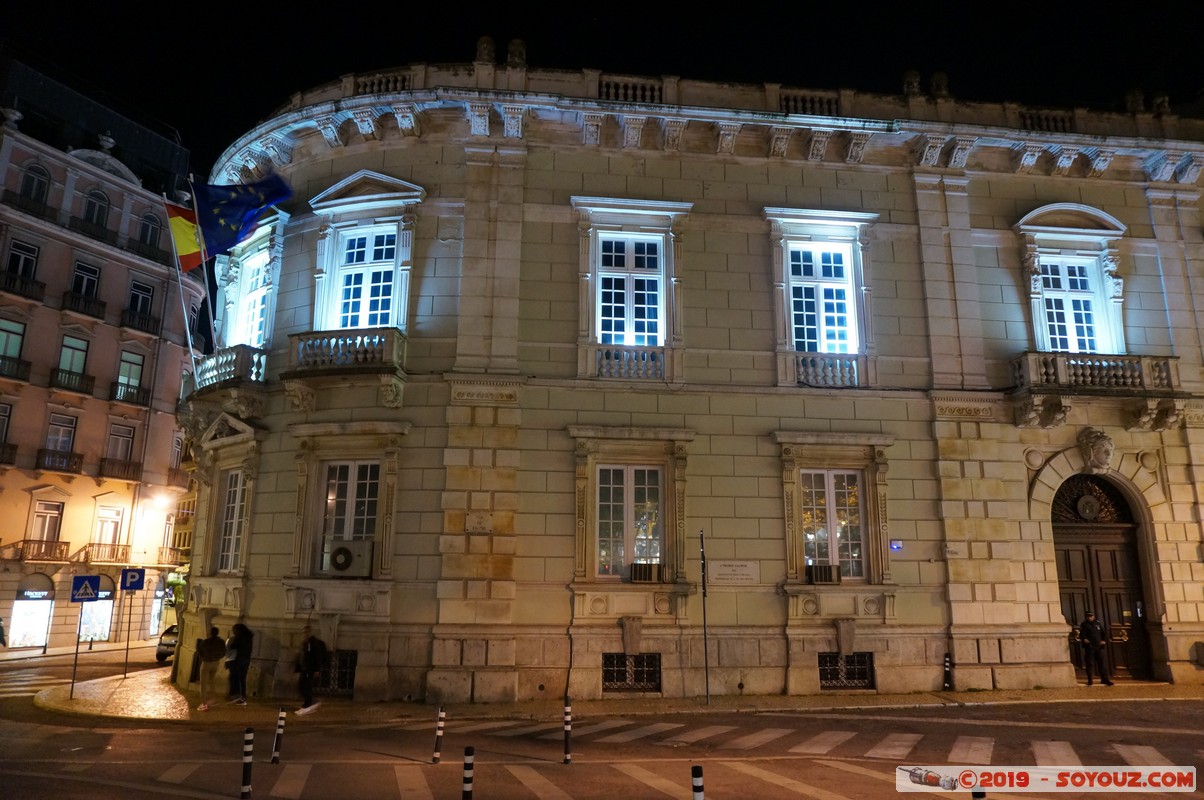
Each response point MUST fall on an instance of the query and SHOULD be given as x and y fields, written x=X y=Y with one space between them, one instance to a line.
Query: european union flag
x=227 y=214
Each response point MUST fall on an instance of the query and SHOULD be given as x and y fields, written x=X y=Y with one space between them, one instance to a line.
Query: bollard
x=696 y=779
x=568 y=729
x=948 y=672
x=439 y=736
x=248 y=747
x=276 y=742
x=466 y=794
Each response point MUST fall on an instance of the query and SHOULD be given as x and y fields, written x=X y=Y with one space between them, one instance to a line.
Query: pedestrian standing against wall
x=212 y=651
x=238 y=661
x=311 y=657
x=1094 y=639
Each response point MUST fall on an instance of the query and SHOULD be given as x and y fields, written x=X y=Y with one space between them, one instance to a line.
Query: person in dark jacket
x=1094 y=639
x=311 y=657
x=211 y=651
x=238 y=661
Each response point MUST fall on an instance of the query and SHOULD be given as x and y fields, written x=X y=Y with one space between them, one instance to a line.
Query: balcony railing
x=1096 y=372
x=42 y=550
x=8 y=453
x=30 y=206
x=637 y=363
x=60 y=461
x=121 y=470
x=93 y=230
x=630 y=89
x=365 y=349
x=14 y=368
x=73 y=301
x=127 y=393
x=14 y=283
x=147 y=323
x=240 y=362
x=179 y=478
x=829 y=371
x=97 y=553
x=171 y=556
x=149 y=251
x=71 y=381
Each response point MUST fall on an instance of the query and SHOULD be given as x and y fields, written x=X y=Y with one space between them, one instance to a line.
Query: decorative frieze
x=962 y=145
x=633 y=130
x=818 y=146
x=929 y=151
x=512 y=121
x=673 y=129
x=855 y=149
x=779 y=139
x=478 y=392
x=591 y=129
x=968 y=407
x=727 y=138
x=478 y=118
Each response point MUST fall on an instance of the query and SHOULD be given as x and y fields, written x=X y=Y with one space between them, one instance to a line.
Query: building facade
x=92 y=349
x=915 y=378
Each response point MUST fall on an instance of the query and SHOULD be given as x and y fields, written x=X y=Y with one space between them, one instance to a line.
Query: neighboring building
x=92 y=348
x=925 y=373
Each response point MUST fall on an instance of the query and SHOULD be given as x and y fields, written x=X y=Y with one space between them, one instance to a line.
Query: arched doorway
x=1095 y=542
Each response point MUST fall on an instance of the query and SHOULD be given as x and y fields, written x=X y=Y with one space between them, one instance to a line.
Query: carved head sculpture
x=1097 y=448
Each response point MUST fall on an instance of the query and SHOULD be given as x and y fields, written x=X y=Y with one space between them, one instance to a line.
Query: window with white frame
x=22 y=259
x=6 y=414
x=35 y=183
x=47 y=521
x=120 y=446
x=73 y=356
x=251 y=326
x=96 y=208
x=631 y=492
x=60 y=433
x=368 y=281
x=108 y=525
x=150 y=230
x=824 y=328
x=142 y=298
x=351 y=505
x=85 y=281
x=232 y=512
x=12 y=338
x=129 y=370
x=1071 y=257
x=631 y=300
x=834 y=497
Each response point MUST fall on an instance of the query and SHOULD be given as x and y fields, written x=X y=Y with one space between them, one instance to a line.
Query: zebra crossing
x=27 y=683
x=878 y=745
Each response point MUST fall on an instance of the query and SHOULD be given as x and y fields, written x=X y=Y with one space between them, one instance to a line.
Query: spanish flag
x=186 y=235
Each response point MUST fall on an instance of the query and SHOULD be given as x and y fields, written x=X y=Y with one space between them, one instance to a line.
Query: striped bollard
x=439 y=736
x=696 y=780
x=279 y=738
x=568 y=730
x=468 y=759
x=248 y=747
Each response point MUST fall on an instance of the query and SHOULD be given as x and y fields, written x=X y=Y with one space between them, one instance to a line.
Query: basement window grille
x=631 y=673
x=338 y=674
x=854 y=671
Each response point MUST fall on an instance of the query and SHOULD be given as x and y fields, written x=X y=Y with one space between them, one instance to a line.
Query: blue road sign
x=85 y=588
x=132 y=579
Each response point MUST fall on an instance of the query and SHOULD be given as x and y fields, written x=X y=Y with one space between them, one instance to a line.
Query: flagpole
x=205 y=267
x=183 y=306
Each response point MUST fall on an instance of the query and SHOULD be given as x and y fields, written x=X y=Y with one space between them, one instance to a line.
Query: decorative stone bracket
x=1041 y=411
x=1155 y=415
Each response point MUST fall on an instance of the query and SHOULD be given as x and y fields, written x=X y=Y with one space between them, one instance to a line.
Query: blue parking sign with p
x=132 y=579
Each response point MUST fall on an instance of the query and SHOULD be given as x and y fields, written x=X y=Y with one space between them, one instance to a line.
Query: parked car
x=167 y=643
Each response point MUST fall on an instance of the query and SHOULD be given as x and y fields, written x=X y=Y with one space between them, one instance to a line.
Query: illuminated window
x=47 y=521
x=370 y=287
x=233 y=512
x=831 y=524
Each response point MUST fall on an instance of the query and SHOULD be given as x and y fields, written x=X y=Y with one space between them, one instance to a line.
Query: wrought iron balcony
x=121 y=470
x=149 y=251
x=239 y=362
x=128 y=393
x=14 y=368
x=60 y=461
x=1096 y=373
x=97 y=553
x=29 y=205
x=172 y=556
x=81 y=303
x=71 y=381
x=43 y=550
x=359 y=350
x=8 y=453
x=14 y=283
x=139 y=321
x=179 y=478
x=88 y=228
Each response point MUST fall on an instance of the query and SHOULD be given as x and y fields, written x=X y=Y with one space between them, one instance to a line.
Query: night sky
x=213 y=74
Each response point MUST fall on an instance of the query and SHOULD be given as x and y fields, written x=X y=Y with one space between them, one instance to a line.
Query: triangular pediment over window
x=227 y=430
x=367 y=192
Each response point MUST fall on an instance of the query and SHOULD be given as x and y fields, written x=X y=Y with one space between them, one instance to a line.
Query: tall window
x=74 y=355
x=108 y=525
x=120 y=446
x=60 y=433
x=129 y=370
x=142 y=297
x=12 y=337
x=177 y=452
x=253 y=316
x=831 y=522
x=86 y=280
x=822 y=314
x=47 y=521
x=96 y=208
x=233 y=509
x=150 y=230
x=22 y=259
x=630 y=294
x=366 y=279
x=629 y=518
x=351 y=500
x=1069 y=290
x=35 y=183
x=6 y=413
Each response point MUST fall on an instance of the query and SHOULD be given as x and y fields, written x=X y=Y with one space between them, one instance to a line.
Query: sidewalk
x=150 y=695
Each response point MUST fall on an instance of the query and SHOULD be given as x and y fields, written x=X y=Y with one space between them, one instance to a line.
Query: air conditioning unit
x=645 y=573
x=823 y=573
x=350 y=558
